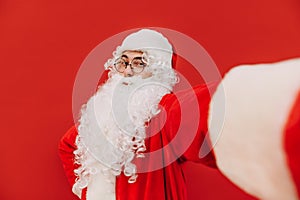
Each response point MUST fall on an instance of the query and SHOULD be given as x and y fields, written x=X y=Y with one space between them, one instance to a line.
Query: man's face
x=131 y=63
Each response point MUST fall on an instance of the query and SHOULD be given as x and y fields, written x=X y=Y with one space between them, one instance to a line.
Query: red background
x=43 y=43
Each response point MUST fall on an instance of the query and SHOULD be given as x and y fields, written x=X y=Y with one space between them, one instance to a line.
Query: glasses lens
x=120 y=65
x=138 y=65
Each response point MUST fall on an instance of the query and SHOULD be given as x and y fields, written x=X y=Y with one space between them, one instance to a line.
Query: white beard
x=112 y=131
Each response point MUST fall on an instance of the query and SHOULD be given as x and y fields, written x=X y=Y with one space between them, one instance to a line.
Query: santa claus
x=134 y=134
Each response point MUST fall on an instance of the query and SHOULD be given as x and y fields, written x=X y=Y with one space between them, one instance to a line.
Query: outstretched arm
x=186 y=124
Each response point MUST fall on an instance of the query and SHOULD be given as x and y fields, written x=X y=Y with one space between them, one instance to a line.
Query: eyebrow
x=124 y=56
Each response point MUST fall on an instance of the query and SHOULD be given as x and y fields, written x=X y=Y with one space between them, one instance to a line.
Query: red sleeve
x=186 y=125
x=66 y=149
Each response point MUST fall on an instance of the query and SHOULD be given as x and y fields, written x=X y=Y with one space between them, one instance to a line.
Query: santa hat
x=257 y=147
x=150 y=41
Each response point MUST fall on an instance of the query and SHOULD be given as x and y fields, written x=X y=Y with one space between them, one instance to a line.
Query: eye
x=141 y=64
x=136 y=62
x=121 y=62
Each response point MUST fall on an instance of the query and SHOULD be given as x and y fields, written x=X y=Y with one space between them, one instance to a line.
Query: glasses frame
x=142 y=59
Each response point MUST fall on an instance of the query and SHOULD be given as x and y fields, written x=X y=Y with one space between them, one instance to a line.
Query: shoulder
x=200 y=93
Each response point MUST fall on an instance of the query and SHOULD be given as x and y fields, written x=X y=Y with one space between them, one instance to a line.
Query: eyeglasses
x=137 y=64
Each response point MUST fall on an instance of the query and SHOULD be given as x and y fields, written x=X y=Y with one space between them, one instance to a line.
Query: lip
x=126 y=83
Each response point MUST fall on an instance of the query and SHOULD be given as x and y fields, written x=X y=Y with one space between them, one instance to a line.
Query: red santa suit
x=175 y=135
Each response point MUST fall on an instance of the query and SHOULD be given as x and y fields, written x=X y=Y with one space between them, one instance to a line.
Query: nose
x=128 y=72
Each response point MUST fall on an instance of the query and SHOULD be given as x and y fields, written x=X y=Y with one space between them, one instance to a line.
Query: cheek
x=146 y=74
